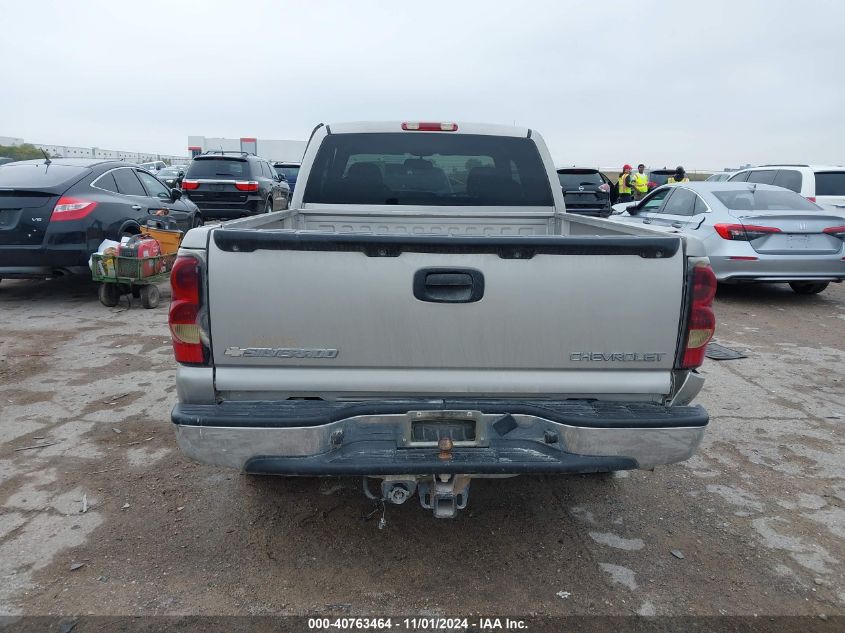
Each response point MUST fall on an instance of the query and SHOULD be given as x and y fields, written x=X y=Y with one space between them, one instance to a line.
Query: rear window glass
x=34 y=175
x=290 y=172
x=428 y=169
x=740 y=177
x=830 y=183
x=660 y=178
x=218 y=169
x=764 y=200
x=573 y=179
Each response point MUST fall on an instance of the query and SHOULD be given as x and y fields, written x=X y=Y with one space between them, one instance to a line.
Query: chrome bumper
x=381 y=444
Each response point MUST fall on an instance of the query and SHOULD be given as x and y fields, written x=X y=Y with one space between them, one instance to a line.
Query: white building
x=277 y=150
x=70 y=151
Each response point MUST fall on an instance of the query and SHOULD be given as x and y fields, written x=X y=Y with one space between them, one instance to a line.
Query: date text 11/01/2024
x=417 y=624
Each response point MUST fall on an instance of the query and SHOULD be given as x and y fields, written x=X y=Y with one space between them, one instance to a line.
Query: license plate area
x=434 y=430
x=9 y=218
x=423 y=429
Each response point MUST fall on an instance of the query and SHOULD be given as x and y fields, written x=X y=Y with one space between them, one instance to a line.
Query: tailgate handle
x=448 y=285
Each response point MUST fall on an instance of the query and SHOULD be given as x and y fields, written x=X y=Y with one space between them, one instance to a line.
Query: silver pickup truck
x=426 y=313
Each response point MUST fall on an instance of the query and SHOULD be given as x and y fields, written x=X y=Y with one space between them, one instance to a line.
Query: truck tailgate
x=305 y=314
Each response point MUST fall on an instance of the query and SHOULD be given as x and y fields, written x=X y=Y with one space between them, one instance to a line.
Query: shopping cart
x=119 y=275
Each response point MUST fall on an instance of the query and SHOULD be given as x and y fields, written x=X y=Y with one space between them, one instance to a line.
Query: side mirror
x=282 y=178
x=633 y=209
x=175 y=194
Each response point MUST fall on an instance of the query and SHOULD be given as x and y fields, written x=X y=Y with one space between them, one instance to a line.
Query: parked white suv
x=822 y=184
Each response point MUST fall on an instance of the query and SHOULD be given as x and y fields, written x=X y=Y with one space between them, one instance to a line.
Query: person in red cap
x=623 y=185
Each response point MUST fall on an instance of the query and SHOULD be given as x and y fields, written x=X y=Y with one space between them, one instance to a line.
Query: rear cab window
x=830 y=183
x=432 y=169
x=218 y=169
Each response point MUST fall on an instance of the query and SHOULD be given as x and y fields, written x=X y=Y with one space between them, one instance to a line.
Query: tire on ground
x=808 y=287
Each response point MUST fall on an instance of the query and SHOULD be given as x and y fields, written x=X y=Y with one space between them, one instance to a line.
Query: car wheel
x=109 y=295
x=268 y=208
x=198 y=221
x=808 y=287
x=128 y=232
x=150 y=296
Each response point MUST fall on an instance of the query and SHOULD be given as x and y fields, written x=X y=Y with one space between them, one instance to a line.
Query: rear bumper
x=40 y=261
x=376 y=438
x=230 y=210
x=776 y=268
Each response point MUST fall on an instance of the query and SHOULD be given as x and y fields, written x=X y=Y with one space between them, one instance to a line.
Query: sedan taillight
x=743 y=232
x=68 y=208
x=836 y=231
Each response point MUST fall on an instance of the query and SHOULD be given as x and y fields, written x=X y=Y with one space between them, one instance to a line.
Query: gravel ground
x=753 y=524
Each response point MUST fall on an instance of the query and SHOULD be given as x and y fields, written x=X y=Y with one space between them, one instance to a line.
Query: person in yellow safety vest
x=640 y=182
x=680 y=176
x=623 y=185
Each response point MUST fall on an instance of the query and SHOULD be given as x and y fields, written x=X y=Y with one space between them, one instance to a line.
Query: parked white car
x=822 y=184
x=154 y=166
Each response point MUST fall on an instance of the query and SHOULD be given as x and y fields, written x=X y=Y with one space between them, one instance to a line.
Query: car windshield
x=218 y=168
x=830 y=183
x=764 y=200
x=574 y=178
x=289 y=172
x=428 y=168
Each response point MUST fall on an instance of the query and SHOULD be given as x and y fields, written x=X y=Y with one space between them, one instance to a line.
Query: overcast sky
x=716 y=85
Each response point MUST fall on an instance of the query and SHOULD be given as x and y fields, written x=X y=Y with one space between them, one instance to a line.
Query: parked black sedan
x=55 y=213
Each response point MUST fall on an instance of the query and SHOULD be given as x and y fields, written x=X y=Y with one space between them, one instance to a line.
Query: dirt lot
x=757 y=518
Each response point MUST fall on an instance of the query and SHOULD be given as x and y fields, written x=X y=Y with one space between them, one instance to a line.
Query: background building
x=70 y=151
x=281 y=150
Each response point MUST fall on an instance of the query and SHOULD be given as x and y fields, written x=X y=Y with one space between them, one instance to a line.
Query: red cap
x=624 y=167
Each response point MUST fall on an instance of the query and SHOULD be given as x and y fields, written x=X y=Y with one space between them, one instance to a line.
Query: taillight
x=702 y=322
x=429 y=126
x=185 y=311
x=604 y=187
x=71 y=209
x=836 y=231
x=190 y=185
x=743 y=232
x=246 y=185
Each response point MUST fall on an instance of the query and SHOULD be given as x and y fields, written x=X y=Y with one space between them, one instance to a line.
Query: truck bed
x=444 y=221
